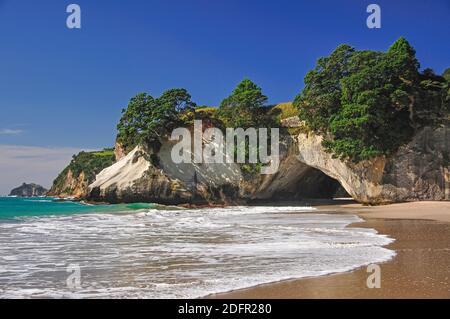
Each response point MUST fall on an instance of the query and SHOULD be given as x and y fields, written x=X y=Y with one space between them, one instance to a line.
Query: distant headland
x=28 y=190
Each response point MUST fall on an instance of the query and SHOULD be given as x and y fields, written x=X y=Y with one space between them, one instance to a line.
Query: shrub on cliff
x=368 y=103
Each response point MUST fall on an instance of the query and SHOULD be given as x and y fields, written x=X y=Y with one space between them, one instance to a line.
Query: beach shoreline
x=420 y=269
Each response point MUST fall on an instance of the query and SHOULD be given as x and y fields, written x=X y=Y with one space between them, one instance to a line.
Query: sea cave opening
x=310 y=184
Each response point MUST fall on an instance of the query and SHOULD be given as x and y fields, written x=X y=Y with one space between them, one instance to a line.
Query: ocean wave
x=179 y=253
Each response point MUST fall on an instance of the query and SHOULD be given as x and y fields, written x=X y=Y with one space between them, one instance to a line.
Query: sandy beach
x=421 y=268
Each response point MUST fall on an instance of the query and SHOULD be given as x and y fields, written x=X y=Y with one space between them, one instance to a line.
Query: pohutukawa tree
x=368 y=103
x=147 y=120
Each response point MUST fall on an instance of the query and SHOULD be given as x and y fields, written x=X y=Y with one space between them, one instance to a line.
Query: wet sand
x=421 y=268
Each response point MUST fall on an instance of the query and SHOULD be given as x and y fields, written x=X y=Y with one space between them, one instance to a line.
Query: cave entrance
x=312 y=184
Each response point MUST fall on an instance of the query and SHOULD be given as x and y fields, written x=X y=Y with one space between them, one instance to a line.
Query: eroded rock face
x=138 y=177
x=418 y=170
x=119 y=151
x=294 y=180
x=133 y=179
x=72 y=186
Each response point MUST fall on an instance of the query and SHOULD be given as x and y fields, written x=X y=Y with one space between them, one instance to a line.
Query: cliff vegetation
x=369 y=103
x=81 y=171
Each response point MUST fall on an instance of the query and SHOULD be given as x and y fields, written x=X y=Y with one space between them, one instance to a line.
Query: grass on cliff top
x=91 y=163
x=207 y=109
x=286 y=110
x=105 y=152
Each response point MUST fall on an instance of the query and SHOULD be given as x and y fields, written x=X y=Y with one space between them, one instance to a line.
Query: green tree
x=403 y=69
x=147 y=120
x=320 y=98
x=245 y=107
x=368 y=103
x=168 y=112
x=432 y=98
x=132 y=125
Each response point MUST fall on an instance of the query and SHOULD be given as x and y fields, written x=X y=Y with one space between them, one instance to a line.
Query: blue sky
x=66 y=88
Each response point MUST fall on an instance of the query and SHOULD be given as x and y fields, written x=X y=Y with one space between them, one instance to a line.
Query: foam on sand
x=179 y=253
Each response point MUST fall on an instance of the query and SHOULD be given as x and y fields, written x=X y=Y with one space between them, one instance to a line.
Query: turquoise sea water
x=12 y=207
x=151 y=251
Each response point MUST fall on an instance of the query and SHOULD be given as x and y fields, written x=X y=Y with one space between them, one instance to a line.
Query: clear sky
x=62 y=88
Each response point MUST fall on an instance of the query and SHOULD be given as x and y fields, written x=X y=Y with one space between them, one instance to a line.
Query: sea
x=66 y=249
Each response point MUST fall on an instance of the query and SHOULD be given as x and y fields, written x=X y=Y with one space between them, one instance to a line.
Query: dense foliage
x=147 y=119
x=368 y=103
x=90 y=163
x=246 y=107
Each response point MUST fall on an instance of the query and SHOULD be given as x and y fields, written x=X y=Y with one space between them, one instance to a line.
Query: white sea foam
x=38 y=200
x=179 y=253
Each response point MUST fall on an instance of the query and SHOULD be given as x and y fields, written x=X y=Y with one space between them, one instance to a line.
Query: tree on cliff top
x=366 y=103
x=146 y=119
x=245 y=107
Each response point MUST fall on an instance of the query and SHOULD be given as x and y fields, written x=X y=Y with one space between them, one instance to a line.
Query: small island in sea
x=28 y=190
